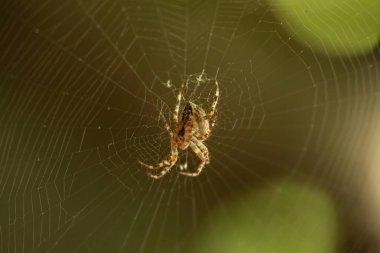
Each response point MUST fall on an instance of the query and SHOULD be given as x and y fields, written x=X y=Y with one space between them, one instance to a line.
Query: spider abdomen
x=183 y=134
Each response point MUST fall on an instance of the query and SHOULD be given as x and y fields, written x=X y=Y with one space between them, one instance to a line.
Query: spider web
x=84 y=87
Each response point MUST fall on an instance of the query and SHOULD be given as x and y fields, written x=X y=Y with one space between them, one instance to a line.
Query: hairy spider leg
x=173 y=158
x=179 y=98
x=214 y=118
x=166 y=125
x=216 y=98
x=169 y=162
x=203 y=148
x=201 y=156
x=212 y=114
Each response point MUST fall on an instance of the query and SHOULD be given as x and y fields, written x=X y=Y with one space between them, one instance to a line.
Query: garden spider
x=192 y=129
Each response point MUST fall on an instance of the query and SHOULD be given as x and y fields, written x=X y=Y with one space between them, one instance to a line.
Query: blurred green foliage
x=332 y=26
x=281 y=218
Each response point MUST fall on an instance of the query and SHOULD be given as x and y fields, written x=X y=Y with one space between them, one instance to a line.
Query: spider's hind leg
x=161 y=174
x=203 y=157
x=156 y=167
x=204 y=150
x=167 y=164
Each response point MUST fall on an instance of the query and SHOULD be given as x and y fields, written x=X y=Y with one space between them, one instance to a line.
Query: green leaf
x=284 y=217
x=339 y=27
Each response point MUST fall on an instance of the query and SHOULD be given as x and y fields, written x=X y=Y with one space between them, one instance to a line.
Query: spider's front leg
x=166 y=125
x=179 y=98
x=202 y=156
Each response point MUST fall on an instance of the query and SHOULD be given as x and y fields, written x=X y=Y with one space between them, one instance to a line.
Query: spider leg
x=166 y=125
x=156 y=167
x=216 y=98
x=165 y=163
x=213 y=122
x=162 y=173
x=169 y=165
x=203 y=148
x=202 y=157
x=212 y=114
x=179 y=98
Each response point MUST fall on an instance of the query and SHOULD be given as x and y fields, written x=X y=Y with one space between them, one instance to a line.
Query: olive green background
x=82 y=85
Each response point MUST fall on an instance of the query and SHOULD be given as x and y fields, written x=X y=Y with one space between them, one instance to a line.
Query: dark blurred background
x=294 y=155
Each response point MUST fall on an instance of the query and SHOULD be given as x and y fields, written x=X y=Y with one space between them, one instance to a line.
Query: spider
x=192 y=129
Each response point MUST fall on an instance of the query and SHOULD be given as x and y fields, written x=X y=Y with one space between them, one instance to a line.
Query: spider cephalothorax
x=192 y=130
